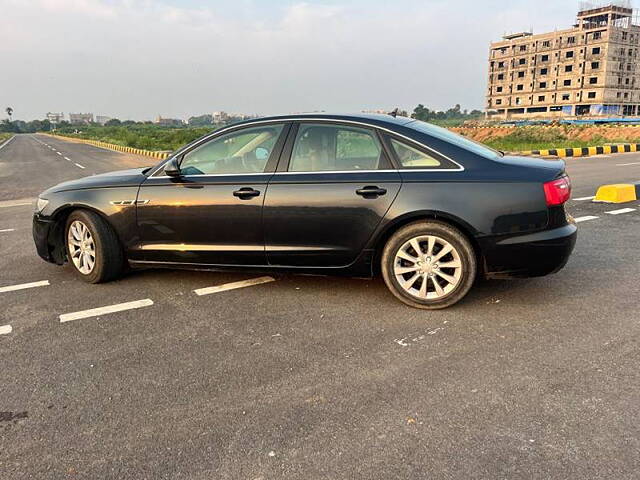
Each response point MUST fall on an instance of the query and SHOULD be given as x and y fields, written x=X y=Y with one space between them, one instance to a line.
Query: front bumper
x=530 y=255
x=42 y=229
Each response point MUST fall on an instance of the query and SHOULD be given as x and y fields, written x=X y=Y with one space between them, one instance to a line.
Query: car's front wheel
x=429 y=265
x=93 y=248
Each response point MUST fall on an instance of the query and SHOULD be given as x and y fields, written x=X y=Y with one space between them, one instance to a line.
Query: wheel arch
x=392 y=227
x=56 y=233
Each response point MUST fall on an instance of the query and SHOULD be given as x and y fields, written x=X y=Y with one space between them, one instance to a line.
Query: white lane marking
x=7 y=142
x=22 y=286
x=59 y=153
x=622 y=210
x=67 y=159
x=582 y=199
x=5 y=329
x=16 y=204
x=5 y=230
x=585 y=218
x=232 y=286
x=79 y=166
x=626 y=164
x=94 y=312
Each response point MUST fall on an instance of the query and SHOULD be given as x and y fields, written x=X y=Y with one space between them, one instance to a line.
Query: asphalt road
x=317 y=377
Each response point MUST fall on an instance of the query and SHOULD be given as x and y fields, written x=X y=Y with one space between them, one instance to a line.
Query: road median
x=584 y=151
x=112 y=146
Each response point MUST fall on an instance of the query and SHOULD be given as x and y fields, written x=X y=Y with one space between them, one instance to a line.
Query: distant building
x=102 y=119
x=55 y=118
x=220 y=117
x=80 y=118
x=591 y=69
x=168 y=122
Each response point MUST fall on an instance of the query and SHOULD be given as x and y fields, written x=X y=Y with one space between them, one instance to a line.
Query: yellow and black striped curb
x=113 y=146
x=584 y=151
x=618 y=193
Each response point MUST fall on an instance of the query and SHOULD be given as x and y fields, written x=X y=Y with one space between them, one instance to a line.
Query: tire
x=446 y=284
x=108 y=257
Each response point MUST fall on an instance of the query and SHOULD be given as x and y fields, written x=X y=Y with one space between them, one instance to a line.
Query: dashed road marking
x=79 y=166
x=622 y=210
x=94 y=312
x=582 y=199
x=5 y=329
x=59 y=153
x=17 y=204
x=6 y=230
x=627 y=164
x=232 y=286
x=67 y=159
x=585 y=218
x=22 y=286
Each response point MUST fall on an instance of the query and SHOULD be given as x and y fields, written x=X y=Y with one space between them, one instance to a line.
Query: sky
x=137 y=59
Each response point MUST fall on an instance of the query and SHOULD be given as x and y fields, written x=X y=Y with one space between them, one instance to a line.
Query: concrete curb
x=584 y=151
x=618 y=193
x=112 y=146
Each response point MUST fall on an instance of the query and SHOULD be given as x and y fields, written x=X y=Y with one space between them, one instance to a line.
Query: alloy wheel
x=427 y=267
x=82 y=248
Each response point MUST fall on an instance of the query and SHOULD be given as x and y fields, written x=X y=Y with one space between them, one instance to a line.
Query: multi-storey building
x=80 y=118
x=588 y=70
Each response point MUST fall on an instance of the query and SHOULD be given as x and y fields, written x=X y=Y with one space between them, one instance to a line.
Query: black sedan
x=326 y=194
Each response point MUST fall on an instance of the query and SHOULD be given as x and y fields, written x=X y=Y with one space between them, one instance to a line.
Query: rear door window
x=322 y=147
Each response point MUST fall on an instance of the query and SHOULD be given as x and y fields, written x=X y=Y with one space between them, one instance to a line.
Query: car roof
x=375 y=119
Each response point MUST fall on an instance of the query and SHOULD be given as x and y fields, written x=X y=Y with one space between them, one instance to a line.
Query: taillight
x=557 y=191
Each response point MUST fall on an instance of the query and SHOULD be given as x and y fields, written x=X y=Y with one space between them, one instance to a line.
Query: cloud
x=137 y=59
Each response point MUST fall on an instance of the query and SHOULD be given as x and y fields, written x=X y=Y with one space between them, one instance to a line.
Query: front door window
x=245 y=151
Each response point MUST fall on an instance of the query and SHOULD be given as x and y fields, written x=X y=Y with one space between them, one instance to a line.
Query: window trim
x=292 y=123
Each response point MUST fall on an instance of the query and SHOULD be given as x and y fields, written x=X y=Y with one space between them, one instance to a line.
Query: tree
x=9 y=111
x=114 y=122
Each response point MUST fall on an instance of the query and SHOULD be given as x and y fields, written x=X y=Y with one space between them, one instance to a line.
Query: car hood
x=119 y=178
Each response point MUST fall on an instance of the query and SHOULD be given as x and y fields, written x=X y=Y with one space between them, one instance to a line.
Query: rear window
x=455 y=139
x=410 y=157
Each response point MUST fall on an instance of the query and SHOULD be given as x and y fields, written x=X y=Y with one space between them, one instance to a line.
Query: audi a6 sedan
x=327 y=194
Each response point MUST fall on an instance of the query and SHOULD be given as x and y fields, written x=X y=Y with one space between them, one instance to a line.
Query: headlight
x=40 y=204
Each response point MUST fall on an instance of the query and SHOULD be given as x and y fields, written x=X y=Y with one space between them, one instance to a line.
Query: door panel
x=318 y=219
x=332 y=189
x=212 y=213
x=200 y=220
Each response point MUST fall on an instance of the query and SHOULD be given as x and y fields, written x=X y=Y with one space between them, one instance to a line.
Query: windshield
x=455 y=139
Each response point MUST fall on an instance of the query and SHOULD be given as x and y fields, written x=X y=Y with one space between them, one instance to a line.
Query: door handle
x=371 y=192
x=246 y=193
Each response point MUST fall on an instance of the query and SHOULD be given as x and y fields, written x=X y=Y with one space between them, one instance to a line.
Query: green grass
x=147 y=137
x=5 y=136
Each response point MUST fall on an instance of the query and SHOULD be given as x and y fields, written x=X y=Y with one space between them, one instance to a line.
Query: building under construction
x=589 y=70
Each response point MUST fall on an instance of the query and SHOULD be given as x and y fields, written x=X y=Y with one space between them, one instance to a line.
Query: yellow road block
x=617 y=193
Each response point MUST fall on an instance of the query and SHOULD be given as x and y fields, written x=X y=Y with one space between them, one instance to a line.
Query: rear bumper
x=530 y=255
x=41 y=229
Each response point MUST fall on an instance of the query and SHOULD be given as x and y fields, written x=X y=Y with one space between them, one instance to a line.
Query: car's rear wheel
x=429 y=265
x=93 y=248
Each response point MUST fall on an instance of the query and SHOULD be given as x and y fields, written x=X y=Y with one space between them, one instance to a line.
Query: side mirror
x=172 y=168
